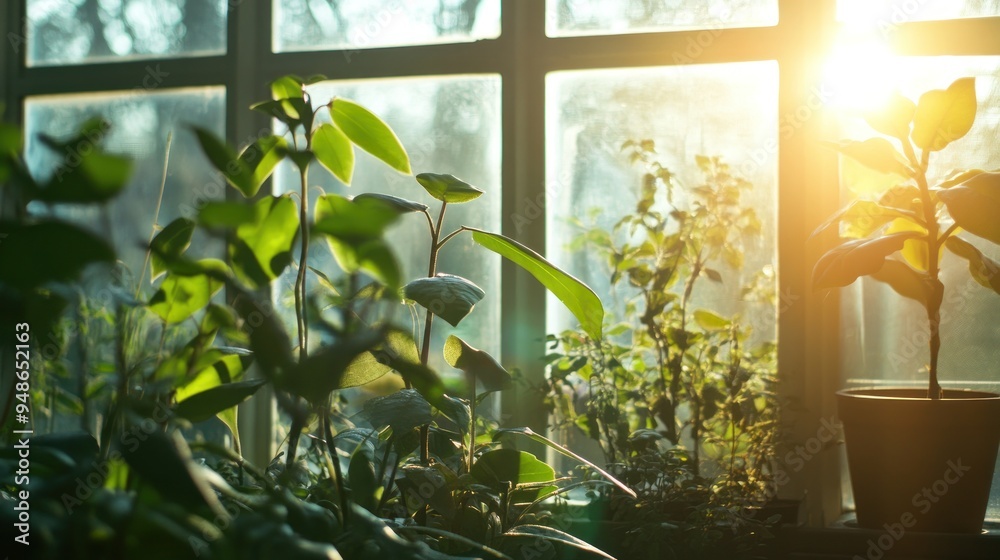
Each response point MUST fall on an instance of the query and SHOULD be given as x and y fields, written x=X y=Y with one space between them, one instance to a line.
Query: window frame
x=808 y=323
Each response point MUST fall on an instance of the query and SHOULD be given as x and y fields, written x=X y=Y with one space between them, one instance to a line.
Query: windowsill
x=843 y=540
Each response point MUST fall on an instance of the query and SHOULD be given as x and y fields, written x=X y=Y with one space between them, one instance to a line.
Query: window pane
x=725 y=110
x=894 y=12
x=448 y=125
x=140 y=125
x=83 y=31
x=596 y=17
x=307 y=25
x=884 y=336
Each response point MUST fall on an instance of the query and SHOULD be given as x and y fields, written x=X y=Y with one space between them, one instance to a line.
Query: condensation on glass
x=84 y=31
x=884 y=338
x=140 y=125
x=886 y=14
x=447 y=125
x=307 y=25
x=566 y=18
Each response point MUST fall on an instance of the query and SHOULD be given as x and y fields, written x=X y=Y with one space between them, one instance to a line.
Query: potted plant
x=921 y=459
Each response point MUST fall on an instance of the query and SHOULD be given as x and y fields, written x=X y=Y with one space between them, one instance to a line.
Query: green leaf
x=354 y=232
x=425 y=381
x=510 y=465
x=529 y=433
x=577 y=296
x=984 y=270
x=206 y=404
x=164 y=462
x=323 y=371
x=172 y=241
x=227 y=215
x=536 y=532
x=448 y=188
x=482 y=366
x=225 y=160
x=334 y=151
x=862 y=218
x=262 y=249
x=975 y=205
x=270 y=343
x=400 y=205
x=874 y=153
x=370 y=133
x=710 y=321
x=261 y=157
x=894 y=117
x=944 y=116
x=445 y=295
x=95 y=177
x=843 y=264
x=403 y=411
x=286 y=87
x=180 y=297
x=47 y=252
x=903 y=280
x=398 y=346
x=361 y=478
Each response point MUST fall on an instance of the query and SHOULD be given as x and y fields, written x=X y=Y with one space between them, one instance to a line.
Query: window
x=531 y=101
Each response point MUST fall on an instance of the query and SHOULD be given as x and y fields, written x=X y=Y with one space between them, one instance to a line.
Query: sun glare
x=860 y=72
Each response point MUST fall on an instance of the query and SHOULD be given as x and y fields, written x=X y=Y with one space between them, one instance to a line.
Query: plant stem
x=933 y=242
x=156 y=216
x=331 y=448
x=300 y=278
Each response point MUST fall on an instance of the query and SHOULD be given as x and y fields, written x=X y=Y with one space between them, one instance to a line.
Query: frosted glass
x=140 y=124
x=727 y=110
x=306 y=25
x=448 y=125
x=84 y=31
x=886 y=13
x=597 y=17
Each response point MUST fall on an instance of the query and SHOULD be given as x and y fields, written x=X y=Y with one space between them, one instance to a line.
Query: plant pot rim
x=916 y=394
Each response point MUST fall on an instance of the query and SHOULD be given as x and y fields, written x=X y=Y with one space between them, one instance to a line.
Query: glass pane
x=884 y=336
x=448 y=125
x=888 y=13
x=83 y=31
x=307 y=25
x=724 y=110
x=596 y=17
x=140 y=126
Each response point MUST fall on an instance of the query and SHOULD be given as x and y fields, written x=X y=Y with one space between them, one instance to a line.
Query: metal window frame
x=808 y=189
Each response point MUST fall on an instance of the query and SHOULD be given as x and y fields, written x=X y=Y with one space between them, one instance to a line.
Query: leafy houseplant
x=420 y=482
x=678 y=397
x=917 y=221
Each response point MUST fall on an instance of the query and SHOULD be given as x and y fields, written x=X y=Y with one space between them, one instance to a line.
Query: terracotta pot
x=919 y=464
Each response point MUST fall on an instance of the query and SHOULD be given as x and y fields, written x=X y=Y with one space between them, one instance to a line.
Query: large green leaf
x=206 y=404
x=369 y=133
x=511 y=465
x=180 y=297
x=843 y=264
x=95 y=177
x=711 y=321
x=448 y=188
x=248 y=170
x=334 y=151
x=226 y=215
x=534 y=533
x=270 y=343
x=398 y=346
x=903 y=280
x=323 y=371
x=893 y=118
x=354 y=232
x=984 y=270
x=530 y=434
x=862 y=218
x=400 y=205
x=575 y=295
x=262 y=249
x=945 y=115
x=482 y=366
x=171 y=241
x=975 y=205
x=874 y=153
x=403 y=411
x=47 y=252
x=445 y=295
